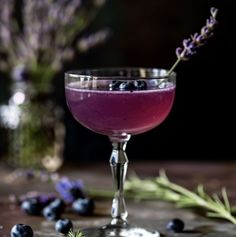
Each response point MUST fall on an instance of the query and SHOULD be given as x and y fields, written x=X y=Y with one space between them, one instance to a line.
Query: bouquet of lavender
x=36 y=39
x=42 y=35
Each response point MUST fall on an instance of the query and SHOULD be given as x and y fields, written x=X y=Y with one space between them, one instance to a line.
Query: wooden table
x=151 y=214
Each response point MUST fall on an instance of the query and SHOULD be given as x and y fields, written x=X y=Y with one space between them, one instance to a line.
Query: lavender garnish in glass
x=195 y=41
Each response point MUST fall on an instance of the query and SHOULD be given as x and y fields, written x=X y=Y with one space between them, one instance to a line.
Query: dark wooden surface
x=151 y=214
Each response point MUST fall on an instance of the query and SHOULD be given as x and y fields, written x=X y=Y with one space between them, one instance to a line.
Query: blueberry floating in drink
x=128 y=85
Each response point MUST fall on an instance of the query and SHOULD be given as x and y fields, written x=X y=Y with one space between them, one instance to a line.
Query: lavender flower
x=190 y=45
x=89 y=42
x=47 y=34
x=70 y=190
x=195 y=41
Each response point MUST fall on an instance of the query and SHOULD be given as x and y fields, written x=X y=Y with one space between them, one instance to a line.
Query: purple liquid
x=115 y=112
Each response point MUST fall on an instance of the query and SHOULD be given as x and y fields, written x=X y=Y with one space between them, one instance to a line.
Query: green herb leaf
x=75 y=234
x=162 y=188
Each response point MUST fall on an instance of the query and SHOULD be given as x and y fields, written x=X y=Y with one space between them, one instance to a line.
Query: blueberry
x=58 y=204
x=83 y=207
x=21 y=230
x=114 y=85
x=32 y=206
x=140 y=84
x=128 y=85
x=54 y=210
x=63 y=226
x=51 y=213
x=176 y=225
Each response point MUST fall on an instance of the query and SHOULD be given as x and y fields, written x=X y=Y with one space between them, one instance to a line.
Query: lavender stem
x=174 y=66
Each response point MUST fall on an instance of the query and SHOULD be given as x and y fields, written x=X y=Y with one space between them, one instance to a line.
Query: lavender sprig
x=195 y=41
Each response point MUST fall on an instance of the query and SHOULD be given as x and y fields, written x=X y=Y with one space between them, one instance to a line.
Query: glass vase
x=35 y=128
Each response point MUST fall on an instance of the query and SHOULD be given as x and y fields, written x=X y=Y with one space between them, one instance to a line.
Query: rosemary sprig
x=75 y=234
x=162 y=188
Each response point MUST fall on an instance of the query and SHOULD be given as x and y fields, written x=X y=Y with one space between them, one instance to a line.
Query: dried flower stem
x=174 y=66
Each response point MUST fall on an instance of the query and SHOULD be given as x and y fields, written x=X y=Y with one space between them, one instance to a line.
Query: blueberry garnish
x=128 y=85
x=21 y=230
x=54 y=210
x=175 y=225
x=140 y=84
x=83 y=207
x=63 y=226
x=32 y=206
x=114 y=85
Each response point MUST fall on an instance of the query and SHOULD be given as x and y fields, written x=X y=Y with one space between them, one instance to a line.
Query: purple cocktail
x=119 y=103
x=116 y=112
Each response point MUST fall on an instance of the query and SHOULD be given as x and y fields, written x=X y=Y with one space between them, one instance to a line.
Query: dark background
x=201 y=124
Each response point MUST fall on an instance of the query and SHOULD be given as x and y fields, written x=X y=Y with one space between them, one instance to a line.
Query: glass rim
x=93 y=73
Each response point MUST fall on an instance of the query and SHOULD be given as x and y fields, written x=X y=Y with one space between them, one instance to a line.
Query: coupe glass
x=118 y=103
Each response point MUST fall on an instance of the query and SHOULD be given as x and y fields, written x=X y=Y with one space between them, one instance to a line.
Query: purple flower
x=70 y=190
x=191 y=44
x=49 y=32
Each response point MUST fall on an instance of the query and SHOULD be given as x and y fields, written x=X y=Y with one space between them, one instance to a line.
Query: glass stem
x=119 y=165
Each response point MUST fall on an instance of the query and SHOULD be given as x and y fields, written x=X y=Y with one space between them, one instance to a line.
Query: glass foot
x=109 y=231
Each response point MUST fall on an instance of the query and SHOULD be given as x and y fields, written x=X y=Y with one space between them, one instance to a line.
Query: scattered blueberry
x=128 y=85
x=59 y=204
x=83 y=207
x=176 y=225
x=21 y=230
x=32 y=206
x=54 y=210
x=51 y=214
x=63 y=226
